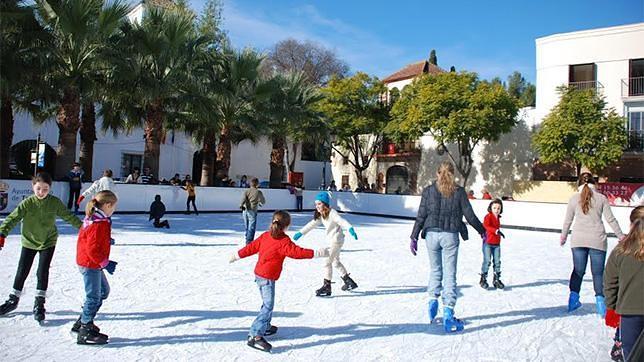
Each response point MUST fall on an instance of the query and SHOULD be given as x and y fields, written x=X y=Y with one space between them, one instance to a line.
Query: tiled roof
x=413 y=70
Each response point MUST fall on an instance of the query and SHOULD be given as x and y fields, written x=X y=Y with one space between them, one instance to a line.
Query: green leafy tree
x=432 y=57
x=580 y=129
x=521 y=89
x=356 y=114
x=454 y=108
x=210 y=23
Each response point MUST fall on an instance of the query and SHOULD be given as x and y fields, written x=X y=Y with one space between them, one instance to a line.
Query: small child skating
x=39 y=235
x=334 y=225
x=157 y=210
x=192 y=196
x=492 y=244
x=92 y=257
x=273 y=247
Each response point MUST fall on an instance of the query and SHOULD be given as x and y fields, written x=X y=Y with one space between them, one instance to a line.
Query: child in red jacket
x=273 y=247
x=492 y=245
x=92 y=256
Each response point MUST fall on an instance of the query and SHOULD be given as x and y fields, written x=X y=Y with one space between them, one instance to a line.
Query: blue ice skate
x=601 y=306
x=433 y=309
x=450 y=323
x=573 y=301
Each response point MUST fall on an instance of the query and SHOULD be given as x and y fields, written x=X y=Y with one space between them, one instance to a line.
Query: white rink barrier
x=136 y=198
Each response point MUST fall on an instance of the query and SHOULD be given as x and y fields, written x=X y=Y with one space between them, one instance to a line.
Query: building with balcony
x=610 y=60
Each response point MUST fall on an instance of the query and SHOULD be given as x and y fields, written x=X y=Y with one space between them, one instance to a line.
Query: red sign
x=623 y=194
x=296 y=178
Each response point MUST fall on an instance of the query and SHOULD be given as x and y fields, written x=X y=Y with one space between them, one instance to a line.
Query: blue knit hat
x=323 y=197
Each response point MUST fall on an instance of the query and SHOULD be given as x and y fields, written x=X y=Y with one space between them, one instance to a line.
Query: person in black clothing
x=157 y=210
x=75 y=177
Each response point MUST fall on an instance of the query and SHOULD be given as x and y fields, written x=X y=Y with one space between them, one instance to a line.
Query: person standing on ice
x=333 y=224
x=492 y=244
x=273 y=247
x=39 y=236
x=92 y=257
x=586 y=208
x=250 y=201
x=104 y=183
x=440 y=216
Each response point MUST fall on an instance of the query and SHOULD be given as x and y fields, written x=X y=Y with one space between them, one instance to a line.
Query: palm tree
x=79 y=29
x=149 y=81
x=22 y=60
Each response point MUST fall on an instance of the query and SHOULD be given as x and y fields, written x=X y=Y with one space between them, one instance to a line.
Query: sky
x=492 y=38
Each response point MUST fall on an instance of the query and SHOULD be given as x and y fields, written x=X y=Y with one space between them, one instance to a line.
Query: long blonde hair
x=633 y=243
x=445 y=183
x=586 y=196
x=101 y=198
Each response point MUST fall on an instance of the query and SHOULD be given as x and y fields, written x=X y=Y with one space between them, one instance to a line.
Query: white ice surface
x=176 y=297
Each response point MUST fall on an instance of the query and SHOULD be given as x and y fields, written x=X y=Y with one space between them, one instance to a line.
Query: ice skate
x=450 y=323
x=77 y=326
x=483 y=282
x=573 y=301
x=498 y=284
x=87 y=335
x=270 y=331
x=349 y=284
x=39 y=309
x=10 y=305
x=325 y=291
x=259 y=343
x=433 y=309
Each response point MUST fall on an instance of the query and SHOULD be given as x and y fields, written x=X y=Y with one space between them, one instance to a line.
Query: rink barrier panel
x=136 y=199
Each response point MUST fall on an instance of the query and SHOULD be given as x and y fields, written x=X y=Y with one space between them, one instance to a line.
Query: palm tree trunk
x=277 y=161
x=208 y=158
x=67 y=119
x=6 y=135
x=223 y=153
x=153 y=131
x=87 y=138
x=291 y=164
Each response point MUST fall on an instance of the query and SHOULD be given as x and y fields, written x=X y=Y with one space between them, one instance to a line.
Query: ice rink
x=175 y=297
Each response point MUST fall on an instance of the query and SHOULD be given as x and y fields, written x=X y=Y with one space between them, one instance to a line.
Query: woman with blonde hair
x=440 y=218
x=587 y=207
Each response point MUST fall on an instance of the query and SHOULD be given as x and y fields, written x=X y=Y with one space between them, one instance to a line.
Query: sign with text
x=623 y=194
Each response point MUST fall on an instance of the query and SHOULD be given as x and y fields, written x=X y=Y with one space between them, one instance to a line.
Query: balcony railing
x=633 y=87
x=395 y=148
x=585 y=85
x=635 y=141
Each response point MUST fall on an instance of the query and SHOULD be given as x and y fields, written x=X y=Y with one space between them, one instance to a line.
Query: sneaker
x=270 y=331
x=259 y=343
x=9 y=305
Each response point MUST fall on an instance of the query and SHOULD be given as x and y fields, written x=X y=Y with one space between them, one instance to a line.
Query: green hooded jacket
x=38 y=217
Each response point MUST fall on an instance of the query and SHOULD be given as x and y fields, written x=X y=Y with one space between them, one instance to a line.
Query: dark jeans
x=298 y=202
x=97 y=289
x=191 y=199
x=24 y=266
x=579 y=260
x=631 y=327
x=73 y=199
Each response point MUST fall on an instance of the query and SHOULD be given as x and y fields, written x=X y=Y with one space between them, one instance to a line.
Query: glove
x=484 y=237
x=413 y=246
x=110 y=267
x=612 y=318
x=242 y=207
x=233 y=257
x=353 y=233
x=80 y=199
x=562 y=239
x=112 y=242
x=2 y=237
x=500 y=233
x=297 y=235
x=321 y=253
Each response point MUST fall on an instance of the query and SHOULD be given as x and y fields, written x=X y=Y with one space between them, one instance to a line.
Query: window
x=636 y=77
x=128 y=162
x=636 y=131
x=345 y=180
x=582 y=76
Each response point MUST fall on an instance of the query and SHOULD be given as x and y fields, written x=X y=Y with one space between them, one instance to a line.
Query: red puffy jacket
x=93 y=248
x=272 y=253
x=492 y=224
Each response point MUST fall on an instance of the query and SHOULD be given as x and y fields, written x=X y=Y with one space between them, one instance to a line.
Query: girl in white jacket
x=102 y=184
x=334 y=225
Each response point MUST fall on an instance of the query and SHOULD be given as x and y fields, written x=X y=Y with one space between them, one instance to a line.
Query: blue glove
x=112 y=242
x=297 y=235
x=353 y=233
x=110 y=267
x=413 y=246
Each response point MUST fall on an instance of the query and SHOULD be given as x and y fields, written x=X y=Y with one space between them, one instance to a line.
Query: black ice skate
x=483 y=283
x=270 y=331
x=497 y=281
x=39 y=309
x=87 y=335
x=9 y=305
x=349 y=284
x=259 y=343
x=325 y=291
x=77 y=325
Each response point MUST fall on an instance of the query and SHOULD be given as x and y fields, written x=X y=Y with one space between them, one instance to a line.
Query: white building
x=610 y=60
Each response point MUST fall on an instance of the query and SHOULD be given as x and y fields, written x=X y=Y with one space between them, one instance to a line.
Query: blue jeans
x=579 y=261
x=250 y=222
x=263 y=321
x=491 y=252
x=631 y=327
x=443 y=254
x=96 y=290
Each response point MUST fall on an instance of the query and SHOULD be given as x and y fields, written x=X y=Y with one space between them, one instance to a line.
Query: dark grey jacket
x=445 y=214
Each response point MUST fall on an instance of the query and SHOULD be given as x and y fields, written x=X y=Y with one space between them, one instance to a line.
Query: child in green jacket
x=39 y=235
